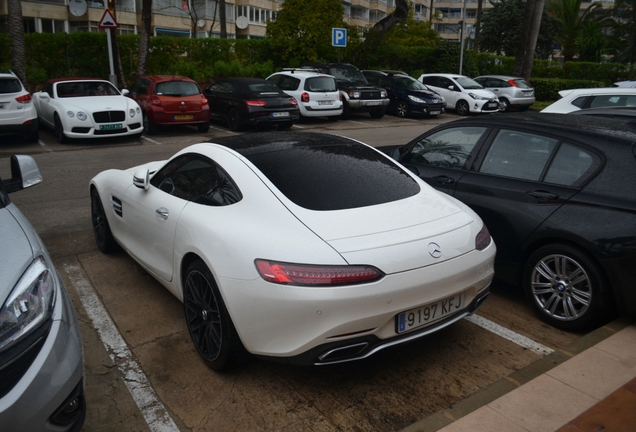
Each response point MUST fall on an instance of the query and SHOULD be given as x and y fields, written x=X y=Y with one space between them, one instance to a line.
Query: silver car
x=41 y=357
x=513 y=92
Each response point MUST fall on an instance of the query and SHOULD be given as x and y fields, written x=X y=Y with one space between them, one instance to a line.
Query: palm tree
x=622 y=39
x=572 y=21
x=144 y=36
x=16 y=29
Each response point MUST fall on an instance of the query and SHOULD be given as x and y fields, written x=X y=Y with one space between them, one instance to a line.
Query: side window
x=197 y=179
x=579 y=101
x=430 y=80
x=607 y=101
x=518 y=154
x=449 y=148
x=274 y=79
x=289 y=83
x=571 y=166
x=385 y=83
x=48 y=88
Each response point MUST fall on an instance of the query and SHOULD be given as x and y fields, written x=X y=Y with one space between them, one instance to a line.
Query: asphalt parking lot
x=142 y=371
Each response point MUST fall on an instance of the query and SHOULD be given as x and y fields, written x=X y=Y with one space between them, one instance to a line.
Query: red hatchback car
x=167 y=100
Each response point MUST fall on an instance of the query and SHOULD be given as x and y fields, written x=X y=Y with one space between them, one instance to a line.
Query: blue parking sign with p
x=339 y=37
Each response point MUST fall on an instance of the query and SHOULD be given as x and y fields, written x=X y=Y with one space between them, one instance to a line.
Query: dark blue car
x=407 y=96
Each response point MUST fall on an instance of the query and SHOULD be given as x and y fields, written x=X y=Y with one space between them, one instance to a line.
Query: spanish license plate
x=280 y=114
x=111 y=126
x=493 y=105
x=325 y=102
x=184 y=117
x=435 y=112
x=373 y=103
x=418 y=317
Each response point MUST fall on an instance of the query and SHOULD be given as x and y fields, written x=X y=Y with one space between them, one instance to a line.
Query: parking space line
x=155 y=414
x=44 y=146
x=362 y=123
x=299 y=127
x=151 y=140
x=512 y=336
x=223 y=130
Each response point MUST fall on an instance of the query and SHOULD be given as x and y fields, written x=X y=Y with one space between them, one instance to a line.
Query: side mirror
x=24 y=174
x=395 y=154
x=451 y=87
x=141 y=179
x=125 y=92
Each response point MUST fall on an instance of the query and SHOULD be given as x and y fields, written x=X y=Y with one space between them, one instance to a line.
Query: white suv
x=316 y=93
x=17 y=112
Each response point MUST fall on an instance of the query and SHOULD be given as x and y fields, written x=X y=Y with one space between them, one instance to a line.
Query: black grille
x=15 y=361
x=109 y=116
x=80 y=130
x=111 y=131
x=370 y=95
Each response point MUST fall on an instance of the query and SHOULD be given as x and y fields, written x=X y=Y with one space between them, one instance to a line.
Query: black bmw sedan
x=243 y=102
x=558 y=196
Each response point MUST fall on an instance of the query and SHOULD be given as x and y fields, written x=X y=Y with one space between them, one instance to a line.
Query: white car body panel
x=564 y=105
x=282 y=320
x=321 y=104
x=48 y=106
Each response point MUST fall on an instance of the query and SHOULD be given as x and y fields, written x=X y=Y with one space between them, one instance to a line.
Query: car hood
x=482 y=92
x=15 y=259
x=99 y=103
x=395 y=236
x=425 y=94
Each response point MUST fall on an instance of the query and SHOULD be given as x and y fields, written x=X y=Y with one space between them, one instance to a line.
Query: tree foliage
x=302 y=31
x=502 y=25
x=573 y=23
x=622 y=40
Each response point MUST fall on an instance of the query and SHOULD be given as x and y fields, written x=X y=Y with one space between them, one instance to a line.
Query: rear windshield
x=10 y=85
x=521 y=83
x=265 y=89
x=177 y=88
x=335 y=176
x=321 y=84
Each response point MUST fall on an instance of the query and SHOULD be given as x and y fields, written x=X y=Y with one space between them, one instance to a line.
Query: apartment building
x=185 y=18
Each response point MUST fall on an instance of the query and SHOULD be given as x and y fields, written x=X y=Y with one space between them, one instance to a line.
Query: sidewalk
x=588 y=386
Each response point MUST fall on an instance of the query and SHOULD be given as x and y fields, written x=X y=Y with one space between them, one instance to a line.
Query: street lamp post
x=462 y=23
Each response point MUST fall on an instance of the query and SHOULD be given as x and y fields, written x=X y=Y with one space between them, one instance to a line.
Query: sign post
x=108 y=22
x=339 y=39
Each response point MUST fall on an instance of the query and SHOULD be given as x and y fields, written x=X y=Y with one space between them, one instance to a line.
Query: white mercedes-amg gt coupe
x=297 y=247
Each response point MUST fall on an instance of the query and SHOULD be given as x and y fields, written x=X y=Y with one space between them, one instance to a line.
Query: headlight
x=30 y=304
x=477 y=97
x=416 y=99
x=383 y=93
x=131 y=112
x=354 y=94
x=71 y=114
x=139 y=110
x=81 y=116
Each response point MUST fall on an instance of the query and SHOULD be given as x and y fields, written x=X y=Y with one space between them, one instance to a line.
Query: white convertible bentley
x=298 y=247
x=86 y=108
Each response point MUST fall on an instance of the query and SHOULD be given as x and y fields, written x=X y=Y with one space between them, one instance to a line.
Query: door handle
x=163 y=212
x=443 y=179
x=542 y=195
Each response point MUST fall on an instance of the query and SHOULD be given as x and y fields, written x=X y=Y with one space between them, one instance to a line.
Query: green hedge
x=205 y=60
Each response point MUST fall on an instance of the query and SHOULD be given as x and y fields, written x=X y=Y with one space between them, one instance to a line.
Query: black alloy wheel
x=234 y=120
x=203 y=127
x=208 y=321
x=567 y=288
x=504 y=105
x=149 y=127
x=462 y=108
x=103 y=235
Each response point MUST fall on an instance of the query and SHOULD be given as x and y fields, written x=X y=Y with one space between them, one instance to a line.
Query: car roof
x=160 y=78
x=564 y=123
x=250 y=144
x=303 y=73
x=503 y=77
x=598 y=90
x=446 y=75
x=56 y=80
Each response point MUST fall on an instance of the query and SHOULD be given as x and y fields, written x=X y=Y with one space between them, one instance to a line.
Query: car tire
x=377 y=113
x=234 y=120
x=285 y=125
x=33 y=135
x=103 y=235
x=504 y=105
x=346 y=111
x=402 y=109
x=203 y=127
x=560 y=301
x=209 y=323
x=59 y=130
x=333 y=118
x=149 y=127
x=462 y=108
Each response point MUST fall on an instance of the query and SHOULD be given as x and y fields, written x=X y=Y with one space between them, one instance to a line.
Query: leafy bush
x=547 y=89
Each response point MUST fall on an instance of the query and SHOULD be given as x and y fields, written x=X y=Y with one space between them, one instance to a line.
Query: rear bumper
x=170 y=118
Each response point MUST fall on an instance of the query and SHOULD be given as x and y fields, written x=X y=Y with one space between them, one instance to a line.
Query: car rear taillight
x=24 y=99
x=512 y=82
x=482 y=240
x=155 y=101
x=304 y=97
x=316 y=275
x=340 y=96
x=259 y=103
x=204 y=100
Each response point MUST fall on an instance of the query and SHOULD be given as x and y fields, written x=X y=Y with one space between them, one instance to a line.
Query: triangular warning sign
x=107 y=21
